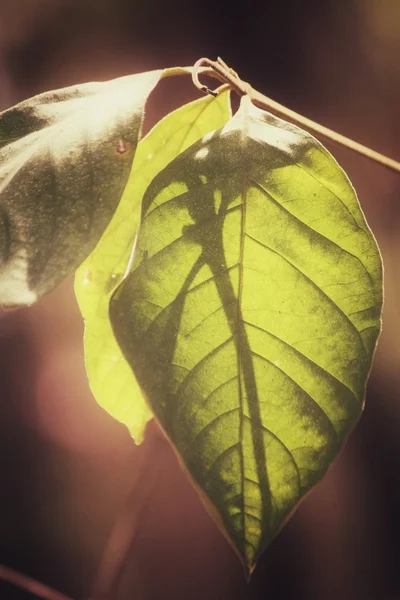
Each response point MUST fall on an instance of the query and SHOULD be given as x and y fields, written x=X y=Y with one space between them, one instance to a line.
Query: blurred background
x=67 y=470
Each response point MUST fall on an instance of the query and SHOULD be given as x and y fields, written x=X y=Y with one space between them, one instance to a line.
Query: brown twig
x=30 y=585
x=226 y=74
x=118 y=549
x=220 y=70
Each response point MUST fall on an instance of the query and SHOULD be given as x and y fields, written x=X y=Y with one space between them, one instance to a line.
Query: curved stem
x=219 y=70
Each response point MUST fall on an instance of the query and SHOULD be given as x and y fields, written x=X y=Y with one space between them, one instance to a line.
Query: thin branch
x=219 y=70
x=30 y=585
x=117 y=552
x=324 y=132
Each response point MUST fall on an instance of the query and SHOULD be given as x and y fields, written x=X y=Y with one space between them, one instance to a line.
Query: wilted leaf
x=65 y=157
x=111 y=379
x=251 y=316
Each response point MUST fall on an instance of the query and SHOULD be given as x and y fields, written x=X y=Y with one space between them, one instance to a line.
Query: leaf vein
x=324 y=294
x=309 y=360
x=314 y=402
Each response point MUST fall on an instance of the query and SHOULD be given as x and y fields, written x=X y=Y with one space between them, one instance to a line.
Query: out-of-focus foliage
x=381 y=36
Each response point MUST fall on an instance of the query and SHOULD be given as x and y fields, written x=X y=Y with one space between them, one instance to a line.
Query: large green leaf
x=251 y=315
x=65 y=157
x=111 y=379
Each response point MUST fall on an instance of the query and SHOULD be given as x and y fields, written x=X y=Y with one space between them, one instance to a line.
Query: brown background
x=66 y=469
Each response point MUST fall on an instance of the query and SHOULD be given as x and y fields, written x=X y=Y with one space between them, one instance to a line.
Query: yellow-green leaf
x=111 y=379
x=251 y=315
x=65 y=158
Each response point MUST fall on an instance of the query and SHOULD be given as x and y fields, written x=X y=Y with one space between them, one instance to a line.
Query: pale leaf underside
x=65 y=157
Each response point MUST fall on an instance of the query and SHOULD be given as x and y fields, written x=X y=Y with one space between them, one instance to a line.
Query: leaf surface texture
x=111 y=379
x=65 y=158
x=250 y=316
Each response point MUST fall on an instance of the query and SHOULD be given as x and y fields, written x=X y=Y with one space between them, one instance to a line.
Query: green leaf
x=65 y=157
x=251 y=315
x=111 y=379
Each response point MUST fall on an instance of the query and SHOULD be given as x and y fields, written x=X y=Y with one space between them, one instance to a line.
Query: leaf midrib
x=242 y=331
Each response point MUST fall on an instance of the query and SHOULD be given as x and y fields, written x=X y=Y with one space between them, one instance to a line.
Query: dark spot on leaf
x=121 y=147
